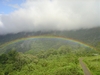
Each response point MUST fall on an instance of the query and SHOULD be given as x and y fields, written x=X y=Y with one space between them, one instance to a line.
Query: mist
x=48 y=15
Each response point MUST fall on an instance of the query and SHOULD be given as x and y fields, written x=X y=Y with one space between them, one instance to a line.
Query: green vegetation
x=47 y=57
x=50 y=62
x=38 y=44
x=61 y=61
x=93 y=62
x=89 y=36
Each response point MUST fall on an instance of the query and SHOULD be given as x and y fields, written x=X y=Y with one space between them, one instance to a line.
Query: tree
x=3 y=58
x=64 y=49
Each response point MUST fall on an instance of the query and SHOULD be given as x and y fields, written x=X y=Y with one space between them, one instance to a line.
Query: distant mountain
x=90 y=36
x=39 y=44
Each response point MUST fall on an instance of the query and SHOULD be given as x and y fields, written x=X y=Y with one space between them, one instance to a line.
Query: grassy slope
x=93 y=63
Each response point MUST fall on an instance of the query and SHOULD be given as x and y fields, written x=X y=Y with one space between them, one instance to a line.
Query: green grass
x=93 y=62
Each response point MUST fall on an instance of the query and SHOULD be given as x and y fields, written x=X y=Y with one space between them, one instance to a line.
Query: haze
x=47 y=15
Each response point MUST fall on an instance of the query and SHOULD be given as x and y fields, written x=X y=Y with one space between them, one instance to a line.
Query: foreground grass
x=93 y=63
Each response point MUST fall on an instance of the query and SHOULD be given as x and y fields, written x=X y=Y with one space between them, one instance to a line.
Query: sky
x=46 y=15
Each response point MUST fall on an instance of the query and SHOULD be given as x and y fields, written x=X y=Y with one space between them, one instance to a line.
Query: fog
x=47 y=15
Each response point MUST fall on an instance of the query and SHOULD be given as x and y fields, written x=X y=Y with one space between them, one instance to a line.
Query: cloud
x=45 y=15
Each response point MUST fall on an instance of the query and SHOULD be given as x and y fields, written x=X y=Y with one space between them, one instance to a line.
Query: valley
x=46 y=56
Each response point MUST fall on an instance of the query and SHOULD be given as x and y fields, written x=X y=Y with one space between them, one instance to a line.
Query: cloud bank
x=45 y=15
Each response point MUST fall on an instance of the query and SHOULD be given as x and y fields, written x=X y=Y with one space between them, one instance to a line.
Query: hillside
x=37 y=44
x=61 y=61
x=48 y=56
x=88 y=36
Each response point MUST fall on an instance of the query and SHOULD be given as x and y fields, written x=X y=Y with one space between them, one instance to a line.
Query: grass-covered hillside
x=93 y=63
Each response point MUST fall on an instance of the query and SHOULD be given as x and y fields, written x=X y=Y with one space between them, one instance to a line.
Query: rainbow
x=32 y=37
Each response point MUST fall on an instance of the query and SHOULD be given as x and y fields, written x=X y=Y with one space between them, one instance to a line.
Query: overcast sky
x=35 y=15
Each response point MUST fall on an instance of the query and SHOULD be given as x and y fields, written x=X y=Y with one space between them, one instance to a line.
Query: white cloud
x=35 y=15
x=1 y=24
